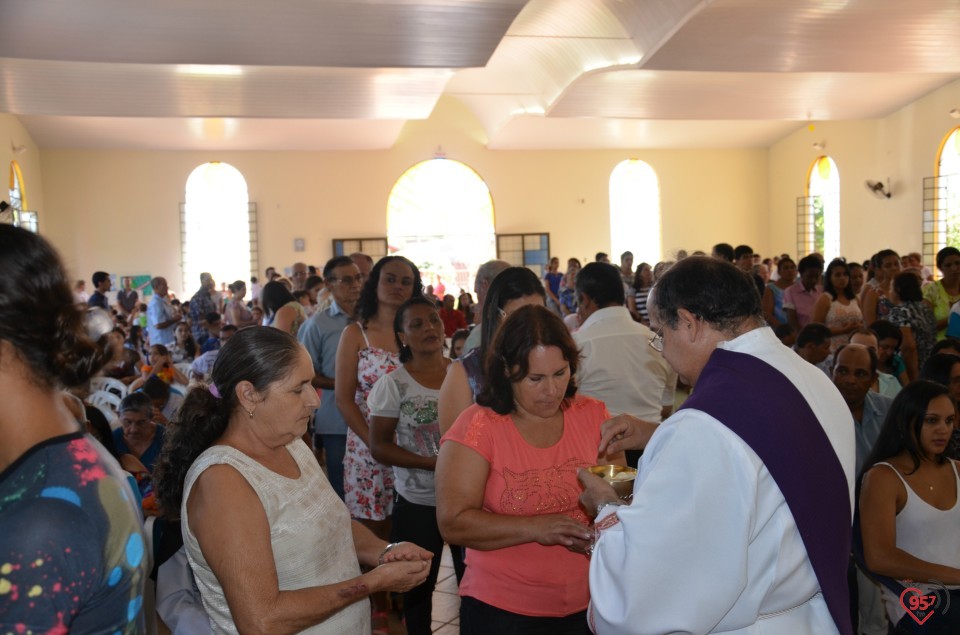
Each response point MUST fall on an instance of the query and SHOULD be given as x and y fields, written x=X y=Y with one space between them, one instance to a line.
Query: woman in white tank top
x=909 y=508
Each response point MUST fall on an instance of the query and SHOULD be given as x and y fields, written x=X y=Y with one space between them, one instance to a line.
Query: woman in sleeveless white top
x=909 y=507
x=291 y=506
x=925 y=532
x=271 y=546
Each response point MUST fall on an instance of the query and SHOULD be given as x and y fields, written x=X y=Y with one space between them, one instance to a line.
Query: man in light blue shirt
x=320 y=335
x=162 y=318
x=854 y=371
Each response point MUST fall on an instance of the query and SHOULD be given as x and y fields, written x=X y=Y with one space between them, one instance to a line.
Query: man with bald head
x=886 y=384
x=485 y=275
x=854 y=371
x=364 y=263
x=298 y=275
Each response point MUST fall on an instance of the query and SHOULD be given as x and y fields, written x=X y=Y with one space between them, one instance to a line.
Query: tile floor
x=446 y=598
x=446 y=602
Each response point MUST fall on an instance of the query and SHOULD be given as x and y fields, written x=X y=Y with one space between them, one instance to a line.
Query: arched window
x=823 y=194
x=635 y=212
x=19 y=213
x=216 y=226
x=440 y=216
x=948 y=186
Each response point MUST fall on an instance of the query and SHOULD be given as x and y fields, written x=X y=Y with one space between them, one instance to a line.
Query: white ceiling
x=553 y=74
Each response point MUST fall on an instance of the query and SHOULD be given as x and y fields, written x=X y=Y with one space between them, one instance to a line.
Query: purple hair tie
x=213 y=391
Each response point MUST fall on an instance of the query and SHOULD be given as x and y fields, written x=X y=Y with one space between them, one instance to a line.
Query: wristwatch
x=604 y=504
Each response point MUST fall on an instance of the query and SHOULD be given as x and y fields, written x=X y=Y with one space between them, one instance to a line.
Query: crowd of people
x=766 y=403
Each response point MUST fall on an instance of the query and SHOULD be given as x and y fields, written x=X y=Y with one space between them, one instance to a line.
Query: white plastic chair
x=109 y=415
x=183 y=367
x=104 y=399
x=108 y=384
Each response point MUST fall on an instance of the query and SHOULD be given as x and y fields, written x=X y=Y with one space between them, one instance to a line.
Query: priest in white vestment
x=708 y=543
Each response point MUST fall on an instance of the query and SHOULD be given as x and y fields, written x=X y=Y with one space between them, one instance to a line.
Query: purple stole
x=761 y=406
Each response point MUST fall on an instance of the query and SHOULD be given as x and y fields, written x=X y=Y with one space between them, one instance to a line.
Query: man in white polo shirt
x=619 y=367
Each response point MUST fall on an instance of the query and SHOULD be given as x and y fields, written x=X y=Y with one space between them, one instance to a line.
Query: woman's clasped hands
x=403 y=567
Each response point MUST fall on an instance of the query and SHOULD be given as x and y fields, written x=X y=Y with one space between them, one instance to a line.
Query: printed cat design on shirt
x=549 y=490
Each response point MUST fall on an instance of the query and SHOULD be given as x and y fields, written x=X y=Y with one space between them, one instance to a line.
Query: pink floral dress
x=367 y=484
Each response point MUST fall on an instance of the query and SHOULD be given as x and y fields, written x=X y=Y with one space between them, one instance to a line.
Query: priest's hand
x=624 y=432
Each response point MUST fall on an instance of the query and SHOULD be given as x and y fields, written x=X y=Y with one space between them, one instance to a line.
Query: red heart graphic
x=918 y=602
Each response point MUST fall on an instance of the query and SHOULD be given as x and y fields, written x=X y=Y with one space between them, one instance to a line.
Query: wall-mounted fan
x=879 y=189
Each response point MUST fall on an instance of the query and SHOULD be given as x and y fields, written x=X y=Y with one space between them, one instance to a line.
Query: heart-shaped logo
x=916 y=603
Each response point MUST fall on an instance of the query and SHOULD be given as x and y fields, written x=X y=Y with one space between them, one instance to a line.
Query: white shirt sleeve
x=676 y=562
x=384 y=398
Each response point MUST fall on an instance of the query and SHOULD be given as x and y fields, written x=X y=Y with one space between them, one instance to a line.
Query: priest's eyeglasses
x=656 y=342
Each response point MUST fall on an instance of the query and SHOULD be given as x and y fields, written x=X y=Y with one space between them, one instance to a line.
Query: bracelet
x=604 y=504
x=385 y=551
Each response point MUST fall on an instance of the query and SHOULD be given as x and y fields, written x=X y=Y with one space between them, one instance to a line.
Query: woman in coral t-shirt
x=507 y=485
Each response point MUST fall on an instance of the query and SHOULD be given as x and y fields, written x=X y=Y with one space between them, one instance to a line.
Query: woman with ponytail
x=71 y=545
x=271 y=546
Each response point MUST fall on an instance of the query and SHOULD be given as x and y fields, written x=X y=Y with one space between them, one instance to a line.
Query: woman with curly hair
x=71 y=544
x=368 y=350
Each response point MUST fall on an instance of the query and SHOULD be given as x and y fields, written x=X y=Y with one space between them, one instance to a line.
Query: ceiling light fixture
x=210 y=70
x=820 y=145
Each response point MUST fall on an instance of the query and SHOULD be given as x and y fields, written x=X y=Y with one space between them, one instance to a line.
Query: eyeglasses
x=656 y=342
x=348 y=280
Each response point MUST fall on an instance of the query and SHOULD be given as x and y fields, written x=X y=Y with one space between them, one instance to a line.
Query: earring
x=250 y=413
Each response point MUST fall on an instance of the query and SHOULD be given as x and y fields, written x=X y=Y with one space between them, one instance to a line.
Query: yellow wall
x=118 y=210
x=901 y=147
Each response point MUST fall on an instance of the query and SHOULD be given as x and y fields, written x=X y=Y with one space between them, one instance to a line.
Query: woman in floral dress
x=916 y=321
x=368 y=350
